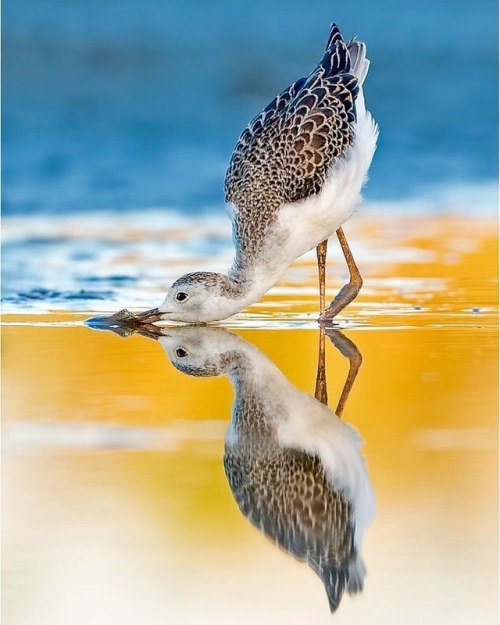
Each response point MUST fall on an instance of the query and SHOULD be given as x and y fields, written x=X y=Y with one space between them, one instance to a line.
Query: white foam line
x=449 y=439
x=44 y=324
x=365 y=319
x=22 y=436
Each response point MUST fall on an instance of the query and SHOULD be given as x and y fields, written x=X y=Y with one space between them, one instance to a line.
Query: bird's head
x=200 y=351
x=197 y=297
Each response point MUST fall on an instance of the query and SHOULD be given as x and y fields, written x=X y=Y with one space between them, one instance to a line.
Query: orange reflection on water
x=116 y=506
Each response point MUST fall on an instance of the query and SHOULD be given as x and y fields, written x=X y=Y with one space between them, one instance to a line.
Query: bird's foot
x=328 y=315
x=326 y=320
x=345 y=296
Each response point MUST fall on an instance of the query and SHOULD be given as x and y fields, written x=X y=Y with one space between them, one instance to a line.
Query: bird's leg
x=349 y=291
x=321 y=254
x=348 y=349
x=320 y=392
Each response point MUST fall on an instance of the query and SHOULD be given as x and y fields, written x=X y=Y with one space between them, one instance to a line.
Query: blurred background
x=128 y=104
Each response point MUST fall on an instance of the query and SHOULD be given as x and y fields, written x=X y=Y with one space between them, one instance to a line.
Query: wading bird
x=294 y=178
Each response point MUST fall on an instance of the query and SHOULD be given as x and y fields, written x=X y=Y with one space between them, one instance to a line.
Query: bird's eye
x=181 y=296
x=180 y=352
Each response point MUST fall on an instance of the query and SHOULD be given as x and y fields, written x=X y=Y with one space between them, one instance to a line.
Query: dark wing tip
x=335 y=581
x=336 y=60
x=334 y=37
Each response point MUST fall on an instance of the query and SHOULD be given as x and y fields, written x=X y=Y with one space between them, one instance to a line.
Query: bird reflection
x=294 y=467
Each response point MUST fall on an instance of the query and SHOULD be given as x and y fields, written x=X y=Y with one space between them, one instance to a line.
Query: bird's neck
x=260 y=390
x=250 y=276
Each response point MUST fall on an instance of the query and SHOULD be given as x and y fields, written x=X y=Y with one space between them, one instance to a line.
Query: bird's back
x=287 y=151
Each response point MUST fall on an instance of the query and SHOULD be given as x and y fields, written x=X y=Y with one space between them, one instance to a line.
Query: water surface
x=116 y=503
x=117 y=507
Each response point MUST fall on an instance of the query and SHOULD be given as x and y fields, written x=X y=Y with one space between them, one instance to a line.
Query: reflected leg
x=348 y=349
x=348 y=292
x=320 y=392
x=321 y=254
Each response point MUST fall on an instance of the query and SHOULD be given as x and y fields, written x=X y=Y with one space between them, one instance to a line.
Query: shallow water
x=443 y=268
x=116 y=504
x=117 y=509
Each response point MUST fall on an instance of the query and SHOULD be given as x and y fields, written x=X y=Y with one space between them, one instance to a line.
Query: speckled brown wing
x=286 y=495
x=252 y=158
x=285 y=152
x=317 y=129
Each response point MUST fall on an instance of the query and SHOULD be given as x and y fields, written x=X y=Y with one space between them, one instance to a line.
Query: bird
x=294 y=178
x=294 y=468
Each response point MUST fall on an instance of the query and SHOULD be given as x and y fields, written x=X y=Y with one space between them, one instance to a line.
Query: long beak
x=149 y=316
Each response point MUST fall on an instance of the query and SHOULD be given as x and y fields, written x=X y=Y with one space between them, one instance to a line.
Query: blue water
x=126 y=104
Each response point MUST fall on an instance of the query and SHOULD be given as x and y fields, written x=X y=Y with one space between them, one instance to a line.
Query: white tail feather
x=359 y=63
x=357 y=572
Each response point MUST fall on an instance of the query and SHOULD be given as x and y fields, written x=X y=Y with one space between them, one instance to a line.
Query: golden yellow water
x=115 y=504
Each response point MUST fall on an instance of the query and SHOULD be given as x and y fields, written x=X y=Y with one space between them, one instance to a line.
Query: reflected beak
x=149 y=316
x=150 y=331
